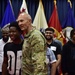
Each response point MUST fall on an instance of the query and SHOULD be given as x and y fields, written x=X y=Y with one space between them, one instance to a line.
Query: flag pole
x=10 y=2
x=40 y=0
x=11 y=6
x=54 y=2
x=41 y=3
x=70 y=3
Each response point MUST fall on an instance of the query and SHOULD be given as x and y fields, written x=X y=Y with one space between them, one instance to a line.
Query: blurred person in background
x=68 y=55
x=3 y=41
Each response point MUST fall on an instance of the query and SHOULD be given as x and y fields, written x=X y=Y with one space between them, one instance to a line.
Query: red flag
x=55 y=24
x=54 y=20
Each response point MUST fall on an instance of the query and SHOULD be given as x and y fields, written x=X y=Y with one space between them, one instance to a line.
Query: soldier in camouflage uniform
x=34 y=48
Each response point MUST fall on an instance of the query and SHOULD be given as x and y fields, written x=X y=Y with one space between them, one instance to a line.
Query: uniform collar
x=29 y=33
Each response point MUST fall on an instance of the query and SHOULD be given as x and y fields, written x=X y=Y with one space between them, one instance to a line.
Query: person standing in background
x=34 y=47
x=3 y=41
x=51 y=61
x=13 y=52
x=54 y=46
x=68 y=56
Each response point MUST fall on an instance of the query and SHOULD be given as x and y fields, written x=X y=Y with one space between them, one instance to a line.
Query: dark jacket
x=68 y=58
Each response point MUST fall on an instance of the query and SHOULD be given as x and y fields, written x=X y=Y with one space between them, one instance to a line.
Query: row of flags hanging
x=8 y=15
x=40 y=19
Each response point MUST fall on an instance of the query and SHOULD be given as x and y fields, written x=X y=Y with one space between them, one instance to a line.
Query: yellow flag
x=40 y=19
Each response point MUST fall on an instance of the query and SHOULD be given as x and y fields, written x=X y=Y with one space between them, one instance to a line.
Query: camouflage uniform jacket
x=34 y=54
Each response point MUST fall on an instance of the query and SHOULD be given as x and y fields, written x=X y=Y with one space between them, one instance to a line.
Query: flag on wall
x=69 y=20
x=23 y=7
x=55 y=24
x=40 y=19
x=8 y=15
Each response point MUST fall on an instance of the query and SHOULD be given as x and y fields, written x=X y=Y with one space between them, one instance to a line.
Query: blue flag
x=8 y=15
x=69 y=20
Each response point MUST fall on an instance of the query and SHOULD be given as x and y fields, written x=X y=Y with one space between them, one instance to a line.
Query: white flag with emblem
x=40 y=19
x=23 y=7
